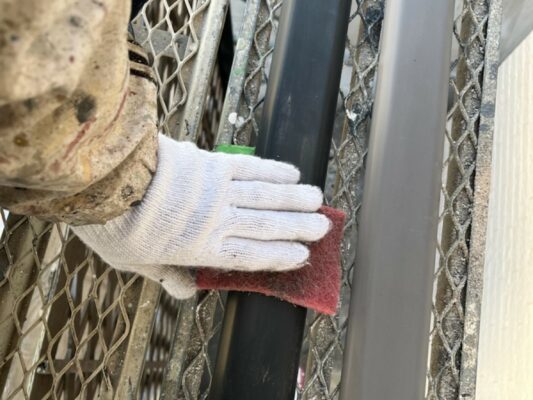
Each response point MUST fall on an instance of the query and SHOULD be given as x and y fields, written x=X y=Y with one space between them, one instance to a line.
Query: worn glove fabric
x=202 y=209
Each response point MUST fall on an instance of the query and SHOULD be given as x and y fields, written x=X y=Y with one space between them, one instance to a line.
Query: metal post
x=387 y=341
x=261 y=336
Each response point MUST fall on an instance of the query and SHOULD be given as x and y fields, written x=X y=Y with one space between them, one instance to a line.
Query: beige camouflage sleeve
x=78 y=136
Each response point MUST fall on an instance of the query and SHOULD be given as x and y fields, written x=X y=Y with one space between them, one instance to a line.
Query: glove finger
x=254 y=255
x=250 y=168
x=177 y=281
x=271 y=196
x=278 y=225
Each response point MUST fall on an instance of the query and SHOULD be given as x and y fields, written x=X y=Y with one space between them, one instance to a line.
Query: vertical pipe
x=261 y=336
x=387 y=341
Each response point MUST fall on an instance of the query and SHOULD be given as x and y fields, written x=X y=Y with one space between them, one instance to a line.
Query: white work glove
x=202 y=209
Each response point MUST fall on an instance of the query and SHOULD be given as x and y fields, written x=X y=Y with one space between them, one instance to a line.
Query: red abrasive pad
x=314 y=286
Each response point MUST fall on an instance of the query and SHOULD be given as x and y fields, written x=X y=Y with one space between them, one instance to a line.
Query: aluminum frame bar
x=387 y=340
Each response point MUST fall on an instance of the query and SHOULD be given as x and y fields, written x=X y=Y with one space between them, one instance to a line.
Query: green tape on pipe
x=234 y=149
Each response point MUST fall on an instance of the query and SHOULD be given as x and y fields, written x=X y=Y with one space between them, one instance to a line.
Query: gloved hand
x=202 y=209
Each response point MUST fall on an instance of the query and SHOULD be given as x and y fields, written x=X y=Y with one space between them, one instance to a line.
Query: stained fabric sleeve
x=78 y=136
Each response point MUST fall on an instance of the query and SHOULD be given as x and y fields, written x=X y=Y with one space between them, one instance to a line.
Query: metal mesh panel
x=246 y=91
x=65 y=317
x=72 y=327
x=466 y=175
x=69 y=325
x=181 y=37
x=320 y=365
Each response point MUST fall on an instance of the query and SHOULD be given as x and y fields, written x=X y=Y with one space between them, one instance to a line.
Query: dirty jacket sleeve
x=78 y=136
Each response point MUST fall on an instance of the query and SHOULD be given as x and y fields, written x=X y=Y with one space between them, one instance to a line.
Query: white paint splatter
x=232 y=118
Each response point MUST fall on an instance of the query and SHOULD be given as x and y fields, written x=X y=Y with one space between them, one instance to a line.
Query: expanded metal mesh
x=466 y=173
x=247 y=86
x=320 y=366
x=65 y=317
x=72 y=327
x=181 y=36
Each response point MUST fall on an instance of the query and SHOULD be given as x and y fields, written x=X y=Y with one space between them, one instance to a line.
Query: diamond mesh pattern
x=69 y=325
x=467 y=69
x=72 y=327
x=320 y=365
x=199 y=361
x=170 y=31
x=247 y=112
x=257 y=78
x=64 y=315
